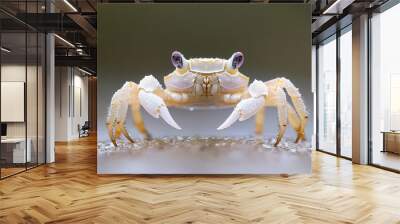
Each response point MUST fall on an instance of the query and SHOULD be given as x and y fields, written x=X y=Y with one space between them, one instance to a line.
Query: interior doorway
x=75 y=104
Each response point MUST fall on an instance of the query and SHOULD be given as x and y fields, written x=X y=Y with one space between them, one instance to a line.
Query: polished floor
x=387 y=159
x=5 y=172
x=70 y=191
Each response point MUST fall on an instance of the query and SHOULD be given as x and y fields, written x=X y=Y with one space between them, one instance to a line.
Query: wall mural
x=205 y=82
x=207 y=88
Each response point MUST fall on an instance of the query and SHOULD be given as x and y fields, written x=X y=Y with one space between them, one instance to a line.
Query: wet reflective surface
x=204 y=155
x=210 y=143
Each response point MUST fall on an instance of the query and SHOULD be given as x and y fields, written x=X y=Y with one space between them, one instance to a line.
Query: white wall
x=16 y=72
x=71 y=102
x=34 y=125
x=80 y=104
x=62 y=81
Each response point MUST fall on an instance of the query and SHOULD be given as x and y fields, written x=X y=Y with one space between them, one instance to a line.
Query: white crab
x=207 y=82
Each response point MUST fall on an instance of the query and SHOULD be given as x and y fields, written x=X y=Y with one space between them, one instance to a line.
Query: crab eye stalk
x=236 y=60
x=178 y=60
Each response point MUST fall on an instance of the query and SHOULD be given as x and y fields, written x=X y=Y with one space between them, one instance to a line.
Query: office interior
x=49 y=88
x=27 y=59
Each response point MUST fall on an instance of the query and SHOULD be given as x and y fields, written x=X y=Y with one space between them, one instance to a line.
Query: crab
x=205 y=82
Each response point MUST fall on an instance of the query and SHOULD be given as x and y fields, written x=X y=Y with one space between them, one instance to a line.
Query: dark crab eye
x=177 y=59
x=237 y=60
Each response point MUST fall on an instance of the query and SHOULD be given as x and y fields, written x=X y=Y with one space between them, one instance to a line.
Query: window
x=385 y=89
x=335 y=74
x=327 y=95
x=346 y=92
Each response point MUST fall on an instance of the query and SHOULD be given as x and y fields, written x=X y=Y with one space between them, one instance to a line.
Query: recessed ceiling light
x=64 y=40
x=84 y=71
x=5 y=50
x=337 y=7
x=70 y=5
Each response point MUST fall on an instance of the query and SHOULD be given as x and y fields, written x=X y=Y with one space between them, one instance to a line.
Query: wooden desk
x=391 y=141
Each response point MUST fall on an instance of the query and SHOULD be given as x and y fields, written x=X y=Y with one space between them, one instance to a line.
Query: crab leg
x=292 y=118
x=298 y=105
x=281 y=104
x=120 y=128
x=120 y=124
x=294 y=121
x=260 y=118
x=117 y=113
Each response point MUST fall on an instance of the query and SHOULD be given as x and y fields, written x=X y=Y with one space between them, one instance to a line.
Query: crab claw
x=153 y=104
x=247 y=107
x=243 y=111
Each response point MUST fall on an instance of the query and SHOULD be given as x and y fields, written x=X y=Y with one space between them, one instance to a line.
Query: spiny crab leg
x=262 y=96
x=247 y=107
x=117 y=113
x=299 y=106
x=136 y=96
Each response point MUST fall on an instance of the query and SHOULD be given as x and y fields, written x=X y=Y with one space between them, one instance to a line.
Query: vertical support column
x=360 y=90
x=50 y=98
x=50 y=92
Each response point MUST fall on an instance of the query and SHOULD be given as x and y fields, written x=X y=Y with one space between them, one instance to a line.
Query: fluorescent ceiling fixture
x=70 y=5
x=5 y=50
x=65 y=41
x=338 y=6
x=331 y=7
x=84 y=71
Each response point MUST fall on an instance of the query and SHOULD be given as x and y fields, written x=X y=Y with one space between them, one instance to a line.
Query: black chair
x=84 y=130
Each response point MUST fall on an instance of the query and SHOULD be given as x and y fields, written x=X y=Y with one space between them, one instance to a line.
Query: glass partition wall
x=334 y=94
x=385 y=89
x=22 y=87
